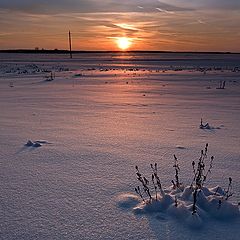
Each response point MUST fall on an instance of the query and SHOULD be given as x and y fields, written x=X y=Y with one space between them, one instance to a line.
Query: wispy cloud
x=206 y=4
x=87 y=6
x=201 y=21
x=165 y=11
x=126 y=26
x=155 y=25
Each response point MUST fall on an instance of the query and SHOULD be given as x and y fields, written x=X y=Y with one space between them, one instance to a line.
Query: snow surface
x=102 y=115
x=178 y=204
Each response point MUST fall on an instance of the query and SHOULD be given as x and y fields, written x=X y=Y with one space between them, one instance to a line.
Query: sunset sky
x=176 y=25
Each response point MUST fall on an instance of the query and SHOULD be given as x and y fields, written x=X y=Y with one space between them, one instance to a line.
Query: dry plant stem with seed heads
x=200 y=174
x=176 y=184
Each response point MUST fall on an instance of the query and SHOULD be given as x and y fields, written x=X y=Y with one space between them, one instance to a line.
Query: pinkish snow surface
x=96 y=125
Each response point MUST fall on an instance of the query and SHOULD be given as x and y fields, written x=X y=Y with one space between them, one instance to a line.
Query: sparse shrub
x=176 y=201
x=200 y=174
x=199 y=179
x=144 y=183
x=177 y=169
x=194 y=208
x=204 y=126
x=229 y=192
x=154 y=185
x=221 y=85
x=155 y=175
x=138 y=191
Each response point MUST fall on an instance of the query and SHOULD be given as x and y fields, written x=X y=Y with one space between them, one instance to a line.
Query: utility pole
x=70 y=43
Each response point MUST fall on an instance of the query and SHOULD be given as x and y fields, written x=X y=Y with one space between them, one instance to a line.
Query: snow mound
x=192 y=204
x=211 y=203
x=29 y=143
x=208 y=127
x=36 y=144
x=180 y=147
x=154 y=205
x=128 y=200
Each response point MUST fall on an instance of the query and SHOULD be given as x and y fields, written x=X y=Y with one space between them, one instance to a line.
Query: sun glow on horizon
x=123 y=43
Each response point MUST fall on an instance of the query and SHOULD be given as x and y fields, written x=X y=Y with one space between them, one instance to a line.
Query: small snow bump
x=29 y=143
x=36 y=145
x=180 y=147
x=127 y=200
x=42 y=142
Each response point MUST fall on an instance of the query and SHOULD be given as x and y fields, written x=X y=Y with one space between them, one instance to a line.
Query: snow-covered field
x=100 y=116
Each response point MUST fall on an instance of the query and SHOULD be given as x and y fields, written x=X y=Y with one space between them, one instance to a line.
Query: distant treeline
x=57 y=51
x=45 y=51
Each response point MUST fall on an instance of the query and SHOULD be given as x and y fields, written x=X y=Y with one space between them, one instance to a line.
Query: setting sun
x=123 y=43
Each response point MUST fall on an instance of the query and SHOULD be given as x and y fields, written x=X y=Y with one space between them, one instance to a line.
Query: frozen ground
x=99 y=117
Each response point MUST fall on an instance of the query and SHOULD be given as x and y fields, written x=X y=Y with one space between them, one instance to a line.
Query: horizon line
x=64 y=51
